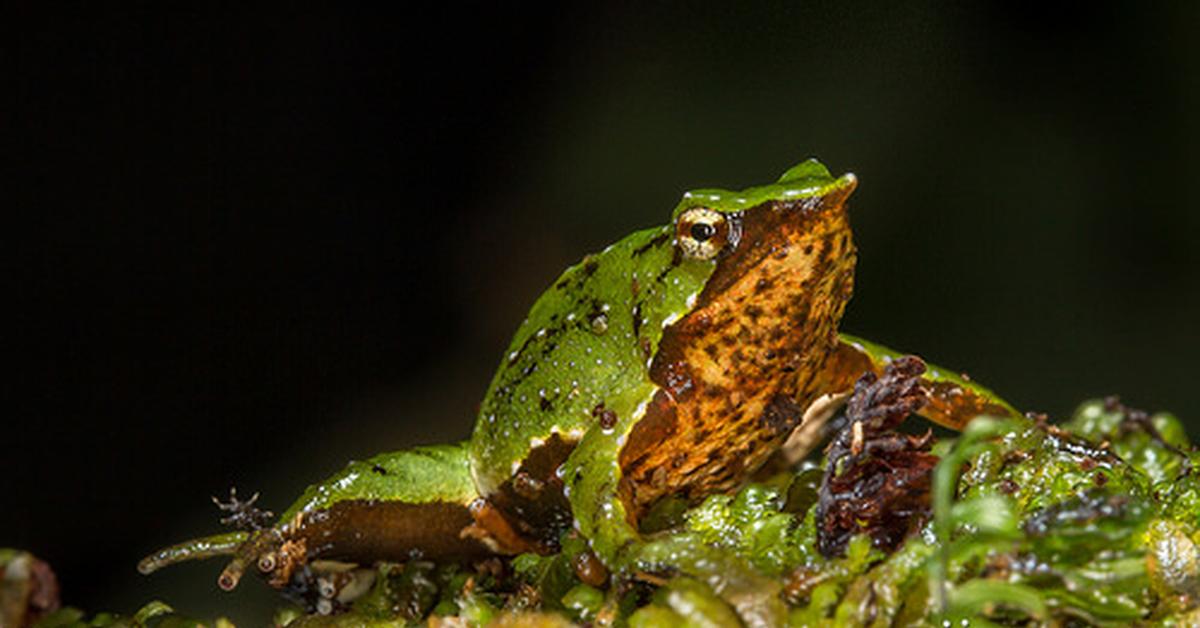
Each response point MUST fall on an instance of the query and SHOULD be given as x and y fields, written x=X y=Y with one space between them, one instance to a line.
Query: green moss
x=1094 y=523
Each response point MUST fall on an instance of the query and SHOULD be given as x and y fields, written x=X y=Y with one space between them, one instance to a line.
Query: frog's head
x=736 y=371
x=782 y=259
x=714 y=223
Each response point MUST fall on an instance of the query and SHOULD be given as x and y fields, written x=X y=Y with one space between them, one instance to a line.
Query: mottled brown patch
x=765 y=321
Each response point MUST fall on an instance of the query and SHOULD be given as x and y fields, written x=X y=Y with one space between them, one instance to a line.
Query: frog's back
x=582 y=352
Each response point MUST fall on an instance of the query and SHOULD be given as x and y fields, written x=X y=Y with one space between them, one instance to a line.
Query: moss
x=1091 y=523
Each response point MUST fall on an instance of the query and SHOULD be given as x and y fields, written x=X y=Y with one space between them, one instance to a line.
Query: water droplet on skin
x=599 y=324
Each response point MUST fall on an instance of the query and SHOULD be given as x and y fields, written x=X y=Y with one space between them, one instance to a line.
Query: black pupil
x=702 y=231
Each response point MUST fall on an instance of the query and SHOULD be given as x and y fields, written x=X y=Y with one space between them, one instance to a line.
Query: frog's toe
x=195 y=549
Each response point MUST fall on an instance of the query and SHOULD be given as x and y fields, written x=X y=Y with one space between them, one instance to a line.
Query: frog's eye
x=701 y=232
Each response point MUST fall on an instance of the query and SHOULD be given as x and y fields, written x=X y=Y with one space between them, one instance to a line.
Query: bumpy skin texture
x=673 y=363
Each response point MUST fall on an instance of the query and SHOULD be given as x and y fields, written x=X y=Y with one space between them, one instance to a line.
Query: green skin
x=578 y=350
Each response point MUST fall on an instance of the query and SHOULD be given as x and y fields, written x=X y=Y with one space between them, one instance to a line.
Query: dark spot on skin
x=763 y=284
x=637 y=317
x=808 y=249
x=822 y=261
x=657 y=241
x=528 y=370
x=712 y=350
x=634 y=286
x=647 y=350
x=1100 y=478
x=1008 y=487
x=549 y=346
x=545 y=405
x=781 y=414
x=754 y=312
x=379 y=469
x=607 y=418
x=589 y=267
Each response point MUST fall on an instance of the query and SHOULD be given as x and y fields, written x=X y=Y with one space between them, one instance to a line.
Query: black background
x=253 y=245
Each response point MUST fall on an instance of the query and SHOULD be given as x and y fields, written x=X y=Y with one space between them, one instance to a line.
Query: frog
x=673 y=364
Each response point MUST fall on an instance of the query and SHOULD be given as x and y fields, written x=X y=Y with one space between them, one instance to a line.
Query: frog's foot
x=753 y=596
x=283 y=559
x=267 y=549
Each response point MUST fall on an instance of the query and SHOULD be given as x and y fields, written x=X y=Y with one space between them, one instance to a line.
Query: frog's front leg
x=600 y=503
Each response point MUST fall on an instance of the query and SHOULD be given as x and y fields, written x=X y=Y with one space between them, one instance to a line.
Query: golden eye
x=701 y=232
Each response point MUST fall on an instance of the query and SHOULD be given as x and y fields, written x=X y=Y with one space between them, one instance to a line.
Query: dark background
x=261 y=244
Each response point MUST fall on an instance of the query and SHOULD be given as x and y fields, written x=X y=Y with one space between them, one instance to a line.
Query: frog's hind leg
x=392 y=507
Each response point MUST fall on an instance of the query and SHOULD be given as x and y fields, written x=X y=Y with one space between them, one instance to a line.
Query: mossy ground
x=1092 y=522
